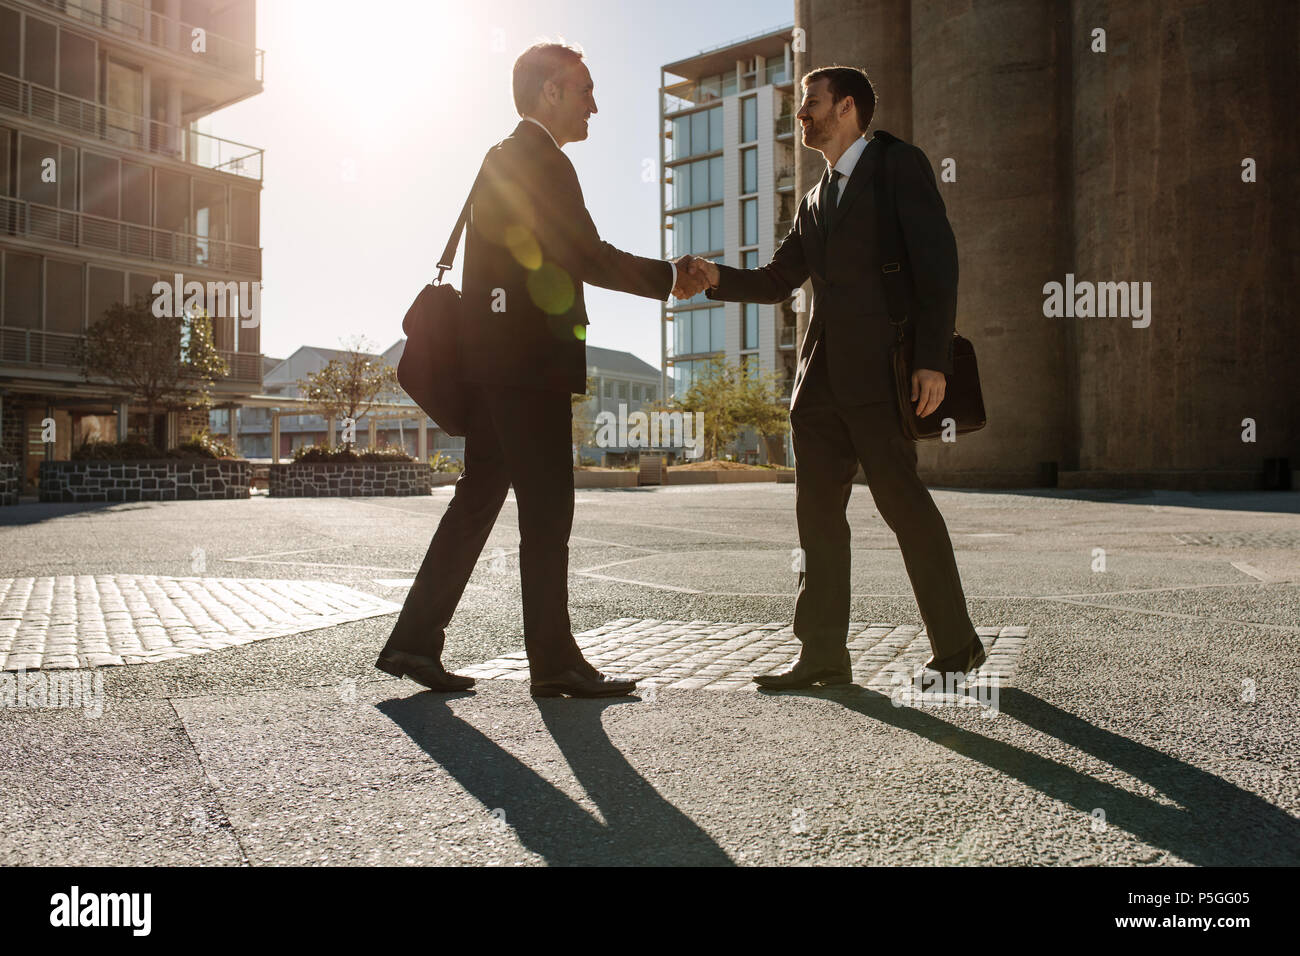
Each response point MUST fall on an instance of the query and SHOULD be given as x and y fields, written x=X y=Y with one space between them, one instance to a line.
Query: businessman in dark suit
x=842 y=410
x=531 y=245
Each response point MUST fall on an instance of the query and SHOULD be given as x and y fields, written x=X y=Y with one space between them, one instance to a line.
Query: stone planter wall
x=345 y=479
x=8 y=483
x=160 y=479
x=719 y=477
x=604 y=479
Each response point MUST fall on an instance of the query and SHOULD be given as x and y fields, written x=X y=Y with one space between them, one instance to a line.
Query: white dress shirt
x=671 y=265
x=845 y=164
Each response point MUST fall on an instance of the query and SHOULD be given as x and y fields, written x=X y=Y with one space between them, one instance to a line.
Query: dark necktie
x=831 y=200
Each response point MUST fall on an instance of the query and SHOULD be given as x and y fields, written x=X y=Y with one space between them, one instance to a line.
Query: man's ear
x=551 y=91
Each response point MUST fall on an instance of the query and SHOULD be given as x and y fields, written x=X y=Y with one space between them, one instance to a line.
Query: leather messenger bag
x=429 y=369
x=963 y=400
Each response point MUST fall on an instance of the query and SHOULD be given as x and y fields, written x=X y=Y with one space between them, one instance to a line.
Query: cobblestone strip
x=725 y=655
x=73 y=621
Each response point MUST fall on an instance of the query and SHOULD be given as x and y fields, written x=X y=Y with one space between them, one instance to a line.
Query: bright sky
x=376 y=116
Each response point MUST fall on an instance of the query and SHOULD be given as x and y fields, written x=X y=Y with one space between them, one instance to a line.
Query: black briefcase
x=963 y=402
x=429 y=370
x=963 y=399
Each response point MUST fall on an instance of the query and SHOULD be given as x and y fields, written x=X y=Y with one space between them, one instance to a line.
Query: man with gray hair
x=531 y=245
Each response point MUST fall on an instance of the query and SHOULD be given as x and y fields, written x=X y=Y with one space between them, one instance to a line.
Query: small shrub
x=323 y=453
x=446 y=464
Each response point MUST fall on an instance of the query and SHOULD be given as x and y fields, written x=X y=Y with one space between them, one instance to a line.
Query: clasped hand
x=694 y=275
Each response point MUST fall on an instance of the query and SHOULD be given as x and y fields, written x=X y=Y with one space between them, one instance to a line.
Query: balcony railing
x=30 y=220
x=128 y=130
x=135 y=22
x=58 y=350
x=785 y=177
x=782 y=227
x=783 y=125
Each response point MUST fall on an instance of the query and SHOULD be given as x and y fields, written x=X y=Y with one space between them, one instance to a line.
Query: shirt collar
x=845 y=164
x=548 y=132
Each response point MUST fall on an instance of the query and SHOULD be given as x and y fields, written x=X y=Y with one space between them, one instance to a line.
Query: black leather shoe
x=423 y=670
x=576 y=683
x=805 y=674
x=964 y=661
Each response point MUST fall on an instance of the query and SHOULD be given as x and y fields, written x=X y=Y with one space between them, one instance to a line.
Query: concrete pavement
x=1147 y=716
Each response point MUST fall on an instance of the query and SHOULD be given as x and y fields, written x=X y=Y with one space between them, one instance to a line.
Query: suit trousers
x=830 y=440
x=514 y=437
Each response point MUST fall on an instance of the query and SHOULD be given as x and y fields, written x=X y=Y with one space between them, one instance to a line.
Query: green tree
x=761 y=408
x=350 y=386
x=715 y=391
x=161 y=361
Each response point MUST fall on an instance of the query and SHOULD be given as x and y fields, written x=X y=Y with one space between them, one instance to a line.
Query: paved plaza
x=1138 y=706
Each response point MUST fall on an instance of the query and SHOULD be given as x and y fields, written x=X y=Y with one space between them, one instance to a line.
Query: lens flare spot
x=523 y=246
x=551 y=289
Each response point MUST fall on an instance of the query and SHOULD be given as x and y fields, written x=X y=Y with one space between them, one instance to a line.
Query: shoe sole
x=390 y=668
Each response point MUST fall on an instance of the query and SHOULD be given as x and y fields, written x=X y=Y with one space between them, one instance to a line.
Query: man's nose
x=593 y=106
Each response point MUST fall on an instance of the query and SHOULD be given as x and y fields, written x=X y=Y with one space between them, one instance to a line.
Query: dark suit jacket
x=849 y=317
x=531 y=245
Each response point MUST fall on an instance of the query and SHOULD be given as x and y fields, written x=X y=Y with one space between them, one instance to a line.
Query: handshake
x=694 y=275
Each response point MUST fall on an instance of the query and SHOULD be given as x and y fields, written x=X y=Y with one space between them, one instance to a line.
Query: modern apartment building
x=107 y=185
x=727 y=161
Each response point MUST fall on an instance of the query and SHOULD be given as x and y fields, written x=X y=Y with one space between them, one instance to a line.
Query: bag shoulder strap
x=890 y=237
x=453 y=241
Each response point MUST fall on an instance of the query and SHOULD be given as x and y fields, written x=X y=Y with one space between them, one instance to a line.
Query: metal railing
x=783 y=227
x=785 y=177
x=58 y=350
x=783 y=125
x=29 y=220
x=130 y=20
x=128 y=130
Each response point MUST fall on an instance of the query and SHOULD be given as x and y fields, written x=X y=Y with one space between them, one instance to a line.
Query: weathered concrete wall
x=1162 y=122
x=985 y=93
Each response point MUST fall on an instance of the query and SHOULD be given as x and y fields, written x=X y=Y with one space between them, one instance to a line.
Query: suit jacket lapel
x=857 y=182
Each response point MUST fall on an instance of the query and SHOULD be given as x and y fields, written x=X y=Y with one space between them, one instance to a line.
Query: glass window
x=31 y=165
x=9 y=42
x=699 y=132
x=41 y=57
x=717 y=324
x=749 y=222
x=76 y=65
x=105 y=292
x=749 y=170
x=715 y=178
x=64 y=296
x=681 y=234
x=776 y=70
x=751 y=325
x=700 y=231
x=700 y=332
x=715 y=127
x=101 y=185
x=750 y=258
x=125 y=98
x=749 y=119
x=681 y=136
x=172 y=209
x=681 y=185
x=729 y=83
x=711 y=87
x=22 y=292
x=681 y=333
x=699 y=182
x=716 y=238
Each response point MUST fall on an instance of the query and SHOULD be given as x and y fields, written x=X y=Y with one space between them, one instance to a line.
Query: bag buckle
x=441 y=270
x=890 y=267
